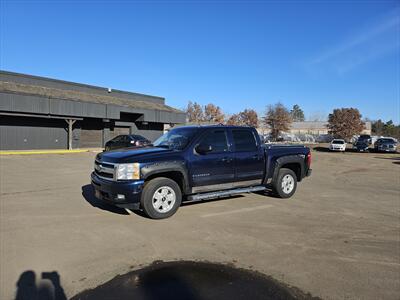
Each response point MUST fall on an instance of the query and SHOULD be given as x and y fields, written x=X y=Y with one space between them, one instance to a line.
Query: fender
x=289 y=159
x=153 y=168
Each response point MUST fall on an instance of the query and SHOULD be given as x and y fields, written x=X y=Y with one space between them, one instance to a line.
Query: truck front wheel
x=286 y=183
x=161 y=198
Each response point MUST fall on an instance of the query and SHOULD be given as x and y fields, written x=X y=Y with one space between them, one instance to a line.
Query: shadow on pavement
x=88 y=194
x=321 y=149
x=189 y=280
x=49 y=287
x=390 y=158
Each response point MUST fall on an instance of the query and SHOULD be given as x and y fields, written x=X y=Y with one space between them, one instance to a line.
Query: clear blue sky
x=239 y=54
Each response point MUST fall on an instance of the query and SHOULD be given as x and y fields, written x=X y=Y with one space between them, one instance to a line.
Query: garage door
x=91 y=138
x=23 y=133
x=91 y=134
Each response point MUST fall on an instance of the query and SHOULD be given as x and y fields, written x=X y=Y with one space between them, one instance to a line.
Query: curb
x=43 y=152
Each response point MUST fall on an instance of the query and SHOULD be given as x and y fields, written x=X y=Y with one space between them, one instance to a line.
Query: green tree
x=297 y=114
x=377 y=127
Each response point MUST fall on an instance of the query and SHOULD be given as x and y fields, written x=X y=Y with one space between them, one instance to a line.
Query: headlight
x=128 y=171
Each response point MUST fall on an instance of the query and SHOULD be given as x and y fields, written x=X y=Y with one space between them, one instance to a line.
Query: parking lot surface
x=337 y=238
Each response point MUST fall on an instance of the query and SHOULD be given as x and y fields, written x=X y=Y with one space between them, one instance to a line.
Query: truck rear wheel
x=286 y=183
x=161 y=198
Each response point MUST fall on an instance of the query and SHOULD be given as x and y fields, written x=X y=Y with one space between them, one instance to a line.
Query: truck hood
x=132 y=155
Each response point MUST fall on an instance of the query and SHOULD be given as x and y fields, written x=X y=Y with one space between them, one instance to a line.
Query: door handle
x=255 y=157
x=226 y=159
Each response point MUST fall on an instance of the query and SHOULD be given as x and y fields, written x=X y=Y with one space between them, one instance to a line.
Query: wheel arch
x=174 y=171
x=292 y=162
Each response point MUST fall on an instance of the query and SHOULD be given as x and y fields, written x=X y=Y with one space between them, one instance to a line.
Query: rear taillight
x=309 y=159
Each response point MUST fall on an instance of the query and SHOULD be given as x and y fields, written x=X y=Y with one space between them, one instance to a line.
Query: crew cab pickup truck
x=194 y=163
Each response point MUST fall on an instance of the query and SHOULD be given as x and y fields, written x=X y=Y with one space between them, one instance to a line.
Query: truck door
x=249 y=158
x=211 y=166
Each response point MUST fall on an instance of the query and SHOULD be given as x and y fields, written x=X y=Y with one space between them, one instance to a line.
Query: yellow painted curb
x=42 y=152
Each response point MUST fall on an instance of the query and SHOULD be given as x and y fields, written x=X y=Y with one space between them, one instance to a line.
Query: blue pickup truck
x=193 y=163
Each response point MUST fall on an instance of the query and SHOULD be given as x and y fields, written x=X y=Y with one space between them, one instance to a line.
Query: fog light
x=120 y=197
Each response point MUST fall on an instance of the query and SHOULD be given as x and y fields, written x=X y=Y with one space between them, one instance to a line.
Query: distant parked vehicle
x=365 y=138
x=385 y=145
x=127 y=141
x=338 y=145
x=361 y=146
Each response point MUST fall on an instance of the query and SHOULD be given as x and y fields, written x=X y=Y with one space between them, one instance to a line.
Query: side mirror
x=203 y=149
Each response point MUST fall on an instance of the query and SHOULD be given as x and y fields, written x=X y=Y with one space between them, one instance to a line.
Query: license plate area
x=97 y=194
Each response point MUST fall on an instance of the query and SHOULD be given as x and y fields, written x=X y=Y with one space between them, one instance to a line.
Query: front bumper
x=108 y=191
x=381 y=149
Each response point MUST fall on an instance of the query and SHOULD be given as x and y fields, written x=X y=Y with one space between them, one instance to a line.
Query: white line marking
x=237 y=211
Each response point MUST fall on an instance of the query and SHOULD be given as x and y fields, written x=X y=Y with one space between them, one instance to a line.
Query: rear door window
x=244 y=140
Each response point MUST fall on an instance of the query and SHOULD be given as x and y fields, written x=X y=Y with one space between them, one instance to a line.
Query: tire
x=286 y=183
x=161 y=198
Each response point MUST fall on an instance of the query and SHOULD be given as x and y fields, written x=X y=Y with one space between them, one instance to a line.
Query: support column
x=70 y=123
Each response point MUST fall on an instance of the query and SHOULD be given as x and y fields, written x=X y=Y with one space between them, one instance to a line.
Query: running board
x=226 y=193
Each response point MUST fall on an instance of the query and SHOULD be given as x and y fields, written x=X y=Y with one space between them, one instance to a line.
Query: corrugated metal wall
x=151 y=131
x=91 y=133
x=32 y=133
x=117 y=131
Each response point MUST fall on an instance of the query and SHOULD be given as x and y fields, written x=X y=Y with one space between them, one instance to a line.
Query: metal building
x=44 y=113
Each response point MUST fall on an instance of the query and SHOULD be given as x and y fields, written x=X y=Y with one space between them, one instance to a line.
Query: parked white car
x=338 y=145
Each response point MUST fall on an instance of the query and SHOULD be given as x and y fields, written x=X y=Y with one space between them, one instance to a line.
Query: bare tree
x=194 y=112
x=234 y=120
x=278 y=118
x=213 y=114
x=345 y=122
x=249 y=117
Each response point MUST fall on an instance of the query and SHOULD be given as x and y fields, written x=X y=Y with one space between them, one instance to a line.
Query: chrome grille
x=104 y=170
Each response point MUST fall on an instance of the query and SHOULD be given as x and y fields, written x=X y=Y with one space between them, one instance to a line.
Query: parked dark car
x=125 y=141
x=385 y=145
x=197 y=163
x=366 y=138
x=361 y=146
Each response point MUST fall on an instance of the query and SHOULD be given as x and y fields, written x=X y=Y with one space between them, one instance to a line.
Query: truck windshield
x=176 y=139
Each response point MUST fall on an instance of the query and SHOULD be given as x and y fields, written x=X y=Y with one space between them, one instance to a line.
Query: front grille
x=104 y=169
x=103 y=174
x=104 y=165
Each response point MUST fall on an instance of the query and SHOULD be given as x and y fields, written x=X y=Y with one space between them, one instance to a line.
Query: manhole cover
x=192 y=281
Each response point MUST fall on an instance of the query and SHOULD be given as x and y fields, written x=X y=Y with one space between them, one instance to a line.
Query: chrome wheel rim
x=164 y=199
x=287 y=184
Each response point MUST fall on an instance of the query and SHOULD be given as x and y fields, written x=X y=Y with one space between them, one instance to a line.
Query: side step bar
x=226 y=193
